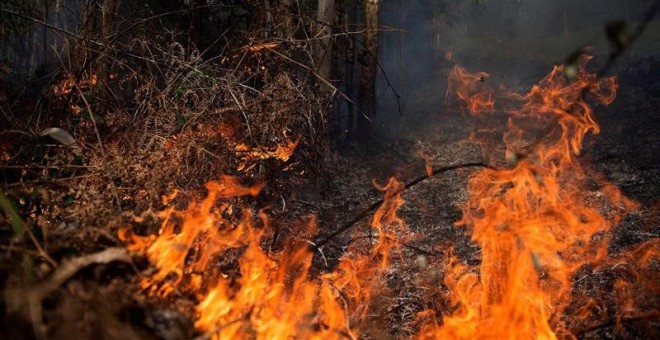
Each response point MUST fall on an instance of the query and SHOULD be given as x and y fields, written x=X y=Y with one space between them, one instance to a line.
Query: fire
x=427 y=162
x=535 y=220
x=272 y=295
x=259 y=47
x=538 y=220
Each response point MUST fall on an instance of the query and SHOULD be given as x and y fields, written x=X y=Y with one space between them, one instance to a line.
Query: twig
x=209 y=335
x=91 y=117
x=98 y=137
x=417 y=249
x=158 y=16
x=16 y=131
x=27 y=166
x=240 y=107
x=42 y=252
x=375 y=58
x=11 y=248
x=348 y=316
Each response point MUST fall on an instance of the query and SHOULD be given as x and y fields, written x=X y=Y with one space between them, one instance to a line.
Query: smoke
x=516 y=41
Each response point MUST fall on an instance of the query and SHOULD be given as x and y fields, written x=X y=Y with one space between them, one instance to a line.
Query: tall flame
x=535 y=221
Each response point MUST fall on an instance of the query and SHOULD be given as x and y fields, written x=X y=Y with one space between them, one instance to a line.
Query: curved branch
x=324 y=240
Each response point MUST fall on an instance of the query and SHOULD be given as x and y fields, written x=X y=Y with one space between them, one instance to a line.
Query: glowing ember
x=264 y=46
x=534 y=221
x=249 y=155
x=67 y=84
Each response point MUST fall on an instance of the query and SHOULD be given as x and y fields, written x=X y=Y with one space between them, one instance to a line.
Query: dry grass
x=164 y=119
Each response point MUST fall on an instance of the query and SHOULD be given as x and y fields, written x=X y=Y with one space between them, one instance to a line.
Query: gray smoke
x=516 y=41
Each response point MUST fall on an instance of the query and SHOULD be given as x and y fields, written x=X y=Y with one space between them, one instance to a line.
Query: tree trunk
x=325 y=17
x=349 y=74
x=287 y=30
x=367 y=95
x=194 y=30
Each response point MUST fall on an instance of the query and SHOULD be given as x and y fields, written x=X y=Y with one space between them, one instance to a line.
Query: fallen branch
x=377 y=204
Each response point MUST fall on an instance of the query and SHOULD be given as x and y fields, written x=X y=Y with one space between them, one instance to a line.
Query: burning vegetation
x=226 y=206
x=539 y=220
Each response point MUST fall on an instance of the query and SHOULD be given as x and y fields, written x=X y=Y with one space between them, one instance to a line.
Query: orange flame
x=272 y=296
x=427 y=162
x=534 y=221
x=259 y=47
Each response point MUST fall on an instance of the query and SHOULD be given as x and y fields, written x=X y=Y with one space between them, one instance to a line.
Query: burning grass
x=540 y=222
x=272 y=295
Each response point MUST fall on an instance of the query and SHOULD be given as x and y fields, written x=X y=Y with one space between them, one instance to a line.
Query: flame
x=428 y=169
x=273 y=295
x=468 y=88
x=248 y=155
x=535 y=221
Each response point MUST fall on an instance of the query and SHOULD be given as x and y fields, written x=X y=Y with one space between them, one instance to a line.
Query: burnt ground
x=105 y=301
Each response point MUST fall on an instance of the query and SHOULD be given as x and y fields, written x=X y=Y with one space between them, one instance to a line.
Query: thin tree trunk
x=108 y=13
x=285 y=10
x=349 y=76
x=325 y=17
x=269 y=20
x=367 y=95
x=109 y=10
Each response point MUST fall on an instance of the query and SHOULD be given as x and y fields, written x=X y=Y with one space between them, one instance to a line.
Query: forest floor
x=106 y=301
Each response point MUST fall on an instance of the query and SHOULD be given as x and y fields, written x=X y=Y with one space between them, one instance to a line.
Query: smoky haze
x=516 y=41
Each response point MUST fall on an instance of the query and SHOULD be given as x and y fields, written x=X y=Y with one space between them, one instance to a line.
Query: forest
x=339 y=169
